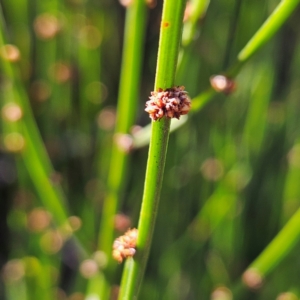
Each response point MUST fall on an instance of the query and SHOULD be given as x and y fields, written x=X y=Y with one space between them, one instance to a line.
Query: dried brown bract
x=124 y=246
x=222 y=84
x=171 y=103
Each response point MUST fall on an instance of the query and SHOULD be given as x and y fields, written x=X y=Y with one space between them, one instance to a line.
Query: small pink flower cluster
x=124 y=246
x=172 y=103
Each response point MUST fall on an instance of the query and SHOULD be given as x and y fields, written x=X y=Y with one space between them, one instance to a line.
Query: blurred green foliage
x=232 y=172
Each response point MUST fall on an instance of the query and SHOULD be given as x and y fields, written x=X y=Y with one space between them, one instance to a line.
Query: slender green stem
x=126 y=112
x=279 y=248
x=171 y=26
x=170 y=36
x=134 y=33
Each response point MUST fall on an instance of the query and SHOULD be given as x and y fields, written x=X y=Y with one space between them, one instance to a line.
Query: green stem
x=171 y=27
x=279 y=248
x=126 y=112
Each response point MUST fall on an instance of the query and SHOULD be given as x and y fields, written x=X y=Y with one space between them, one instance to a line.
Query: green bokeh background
x=232 y=172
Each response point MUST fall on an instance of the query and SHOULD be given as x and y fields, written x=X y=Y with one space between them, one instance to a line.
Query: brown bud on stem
x=124 y=246
x=171 y=103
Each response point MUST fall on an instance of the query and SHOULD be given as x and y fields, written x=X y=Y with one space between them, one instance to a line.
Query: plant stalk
x=126 y=112
x=170 y=36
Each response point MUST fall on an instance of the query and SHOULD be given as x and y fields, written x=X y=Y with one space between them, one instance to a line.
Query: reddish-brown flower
x=124 y=246
x=171 y=103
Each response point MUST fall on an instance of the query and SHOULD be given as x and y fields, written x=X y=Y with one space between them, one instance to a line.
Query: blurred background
x=232 y=172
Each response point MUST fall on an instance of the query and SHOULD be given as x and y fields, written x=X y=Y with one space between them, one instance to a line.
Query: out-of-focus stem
x=126 y=112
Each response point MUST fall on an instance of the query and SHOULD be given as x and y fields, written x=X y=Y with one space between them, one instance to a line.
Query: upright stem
x=171 y=27
x=126 y=111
